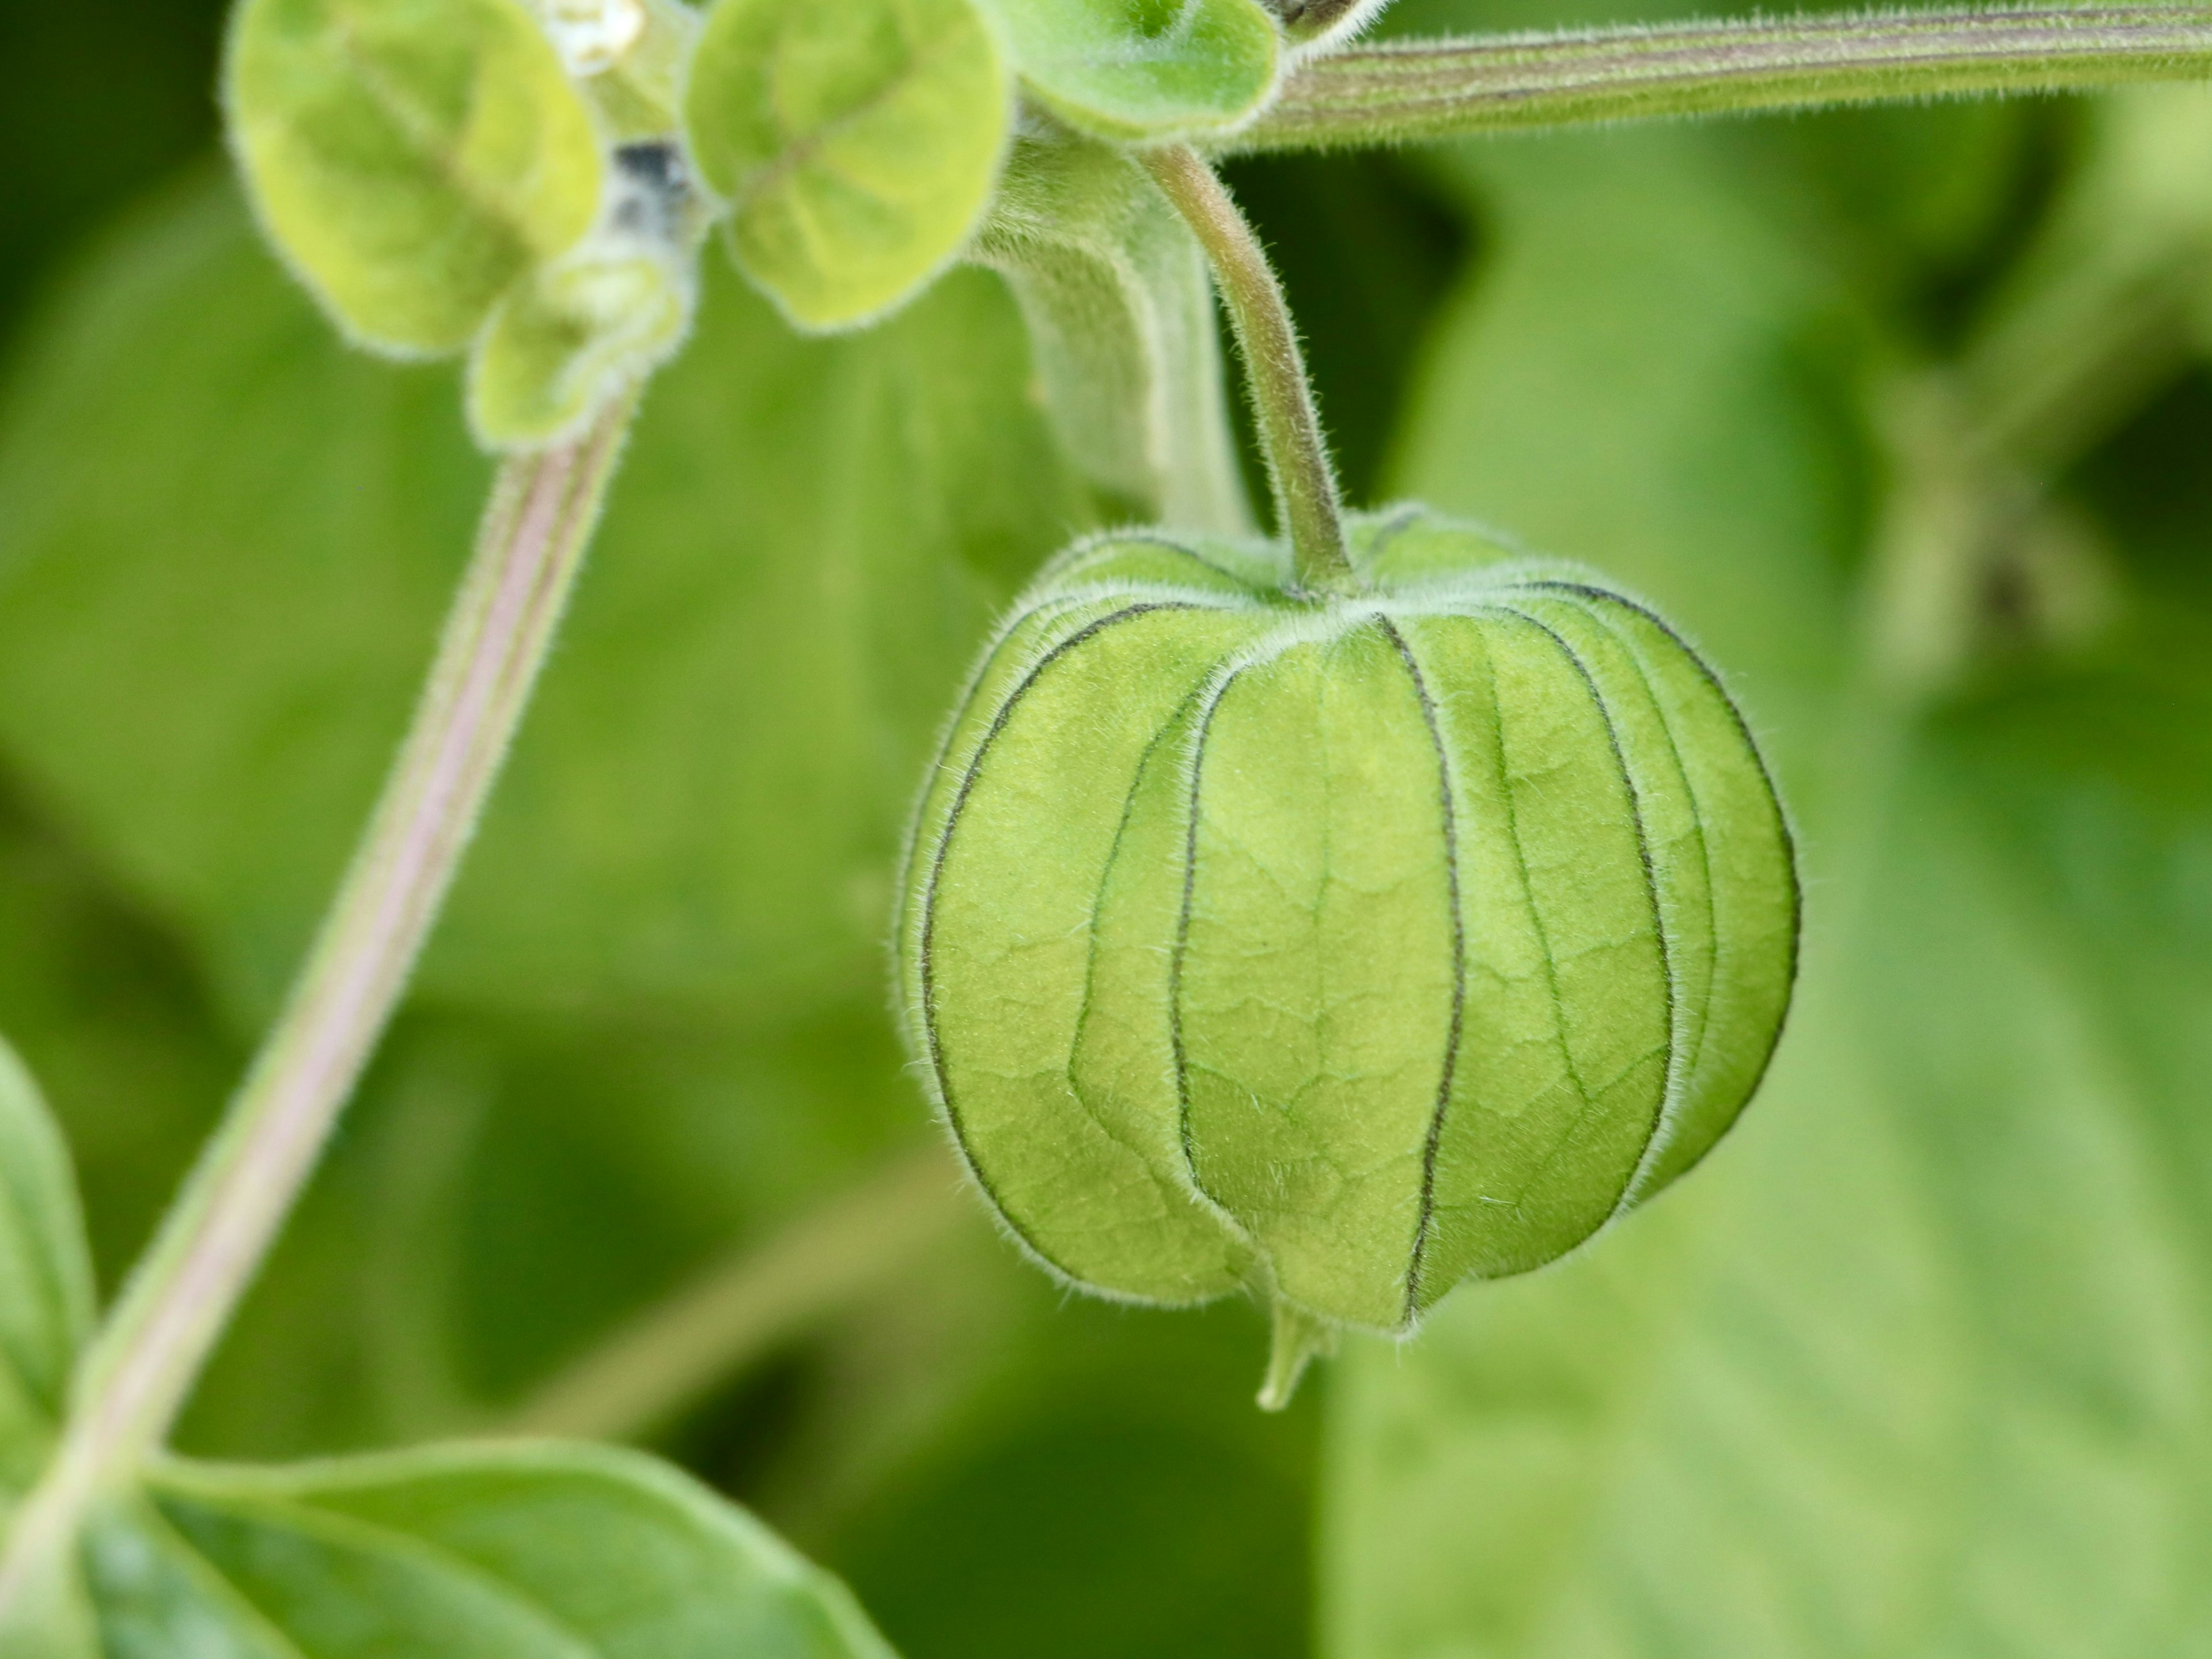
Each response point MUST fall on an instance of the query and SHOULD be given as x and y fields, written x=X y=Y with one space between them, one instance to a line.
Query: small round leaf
x=578 y=331
x=858 y=142
x=570 y=338
x=1139 y=71
x=411 y=158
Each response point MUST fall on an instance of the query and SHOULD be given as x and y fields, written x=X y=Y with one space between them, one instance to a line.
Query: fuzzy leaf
x=410 y=157
x=1137 y=71
x=516 y=1552
x=45 y=1279
x=569 y=337
x=856 y=140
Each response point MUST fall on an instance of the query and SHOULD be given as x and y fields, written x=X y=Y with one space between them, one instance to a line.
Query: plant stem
x=143 y=1363
x=1421 y=89
x=854 y=1243
x=1306 y=501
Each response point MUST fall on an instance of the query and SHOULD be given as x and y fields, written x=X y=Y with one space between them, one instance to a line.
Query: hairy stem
x=736 y=1311
x=1306 y=501
x=147 y=1355
x=1422 y=89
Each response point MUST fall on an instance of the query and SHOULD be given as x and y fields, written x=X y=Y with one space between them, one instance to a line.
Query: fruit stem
x=1299 y=1339
x=1307 y=506
x=143 y=1363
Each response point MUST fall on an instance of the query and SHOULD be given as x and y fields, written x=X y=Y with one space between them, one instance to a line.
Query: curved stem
x=1420 y=89
x=1306 y=501
x=150 y=1351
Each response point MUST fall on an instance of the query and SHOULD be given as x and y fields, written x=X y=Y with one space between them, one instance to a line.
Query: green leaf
x=806 y=543
x=104 y=1010
x=411 y=158
x=46 y=1279
x=597 y=1161
x=1916 y=1365
x=856 y=140
x=527 y=1551
x=630 y=57
x=570 y=337
x=1192 y=1533
x=1119 y=308
x=1139 y=71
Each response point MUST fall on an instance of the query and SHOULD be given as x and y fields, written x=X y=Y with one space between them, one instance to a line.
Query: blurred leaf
x=1911 y=204
x=1645 y=375
x=800 y=555
x=1921 y=1363
x=1180 y=1544
x=107 y=97
x=1923 y=1367
x=1135 y=71
x=547 y=1551
x=508 y=1192
x=857 y=140
x=45 y=1279
x=411 y=157
x=1099 y=1472
x=1910 y=201
x=105 y=1013
x=1119 y=308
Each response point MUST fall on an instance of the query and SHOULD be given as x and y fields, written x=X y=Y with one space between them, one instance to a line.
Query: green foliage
x=569 y=337
x=412 y=158
x=536 y=1550
x=106 y=1013
x=1913 y=1365
x=803 y=550
x=857 y=143
x=1139 y=71
x=1942 y=1302
x=813 y=528
x=522 y=1548
x=1906 y=1369
x=46 y=1279
x=1468 y=879
x=631 y=57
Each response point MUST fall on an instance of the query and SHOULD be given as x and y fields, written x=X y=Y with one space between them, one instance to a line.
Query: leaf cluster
x=520 y=185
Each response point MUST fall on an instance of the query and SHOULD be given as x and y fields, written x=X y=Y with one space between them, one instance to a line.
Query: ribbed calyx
x=1339 y=948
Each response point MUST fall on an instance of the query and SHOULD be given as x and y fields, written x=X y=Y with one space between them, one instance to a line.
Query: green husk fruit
x=1338 y=947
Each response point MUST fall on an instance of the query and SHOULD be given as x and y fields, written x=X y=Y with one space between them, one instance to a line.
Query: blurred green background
x=1905 y=414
